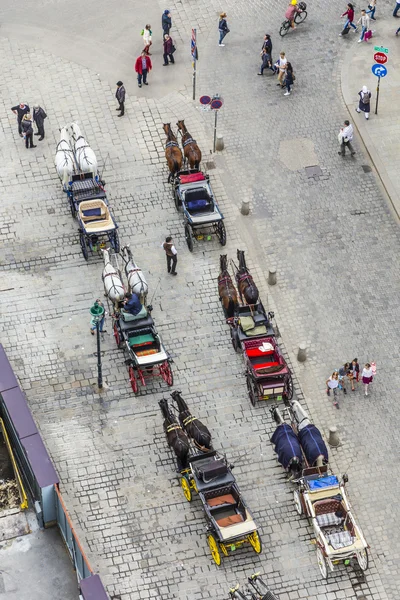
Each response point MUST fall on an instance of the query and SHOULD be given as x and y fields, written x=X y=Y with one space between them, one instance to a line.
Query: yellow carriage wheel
x=224 y=549
x=212 y=543
x=186 y=489
x=255 y=542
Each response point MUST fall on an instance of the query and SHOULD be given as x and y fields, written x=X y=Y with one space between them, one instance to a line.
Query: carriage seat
x=329 y=512
x=197 y=201
x=230 y=520
x=95 y=216
x=136 y=324
x=221 y=500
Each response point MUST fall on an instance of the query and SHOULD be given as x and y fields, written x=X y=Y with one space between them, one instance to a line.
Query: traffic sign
x=193 y=45
x=379 y=70
x=381 y=49
x=380 y=58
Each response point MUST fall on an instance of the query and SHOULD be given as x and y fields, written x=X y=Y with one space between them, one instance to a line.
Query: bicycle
x=300 y=17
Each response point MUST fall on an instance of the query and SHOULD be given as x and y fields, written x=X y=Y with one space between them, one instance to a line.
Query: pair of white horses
x=74 y=155
x=113 y=284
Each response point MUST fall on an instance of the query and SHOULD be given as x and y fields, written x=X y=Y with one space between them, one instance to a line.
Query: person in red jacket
x=142 y=67
x=350 y=18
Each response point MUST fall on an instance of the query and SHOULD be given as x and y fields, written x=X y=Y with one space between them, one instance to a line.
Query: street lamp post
x=97 y=312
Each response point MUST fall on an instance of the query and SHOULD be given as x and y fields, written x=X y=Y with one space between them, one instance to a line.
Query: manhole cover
x=210 y=165
x=51 y=211
x=313 y=171
x=366 y=168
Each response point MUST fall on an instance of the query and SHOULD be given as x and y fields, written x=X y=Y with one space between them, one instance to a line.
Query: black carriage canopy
x=312 y=443
x=286 y=445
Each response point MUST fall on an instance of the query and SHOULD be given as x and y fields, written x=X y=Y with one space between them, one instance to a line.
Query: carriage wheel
x=72 y=207
x=297 y=502
x=221 y=233
x=362 y=559
x=133 y=380
x=284 y=28
x=117 y=336
x=189 y=237
x=212 y=544
x=288 y=387
x=186 y=489
x=176 y=200
x=255 y=542
x=235 y=339
x=166 y=373
x=300 y=17
x=252 y=389
x=82 y=241
x=114 y=241
x=323 y=567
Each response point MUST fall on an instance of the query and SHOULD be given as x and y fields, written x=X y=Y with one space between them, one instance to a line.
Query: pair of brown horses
x=173 y=153
x=226 y=289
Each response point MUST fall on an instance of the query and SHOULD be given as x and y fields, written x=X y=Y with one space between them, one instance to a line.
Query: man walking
x=20 y=110
x=166 y=22
x=142 y=67
x=38 y=117
x=171 y=254
x=120 y=96
x=345 y=138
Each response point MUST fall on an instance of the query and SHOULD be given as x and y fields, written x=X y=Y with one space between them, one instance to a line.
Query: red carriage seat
x=191 y=178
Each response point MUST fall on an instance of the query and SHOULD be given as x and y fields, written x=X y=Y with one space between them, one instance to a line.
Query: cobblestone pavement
x=334 y=243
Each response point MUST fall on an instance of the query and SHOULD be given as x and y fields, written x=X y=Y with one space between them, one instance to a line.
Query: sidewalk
x=381 y=134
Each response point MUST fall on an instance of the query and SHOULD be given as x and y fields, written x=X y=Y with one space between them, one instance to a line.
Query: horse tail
x=230 y=310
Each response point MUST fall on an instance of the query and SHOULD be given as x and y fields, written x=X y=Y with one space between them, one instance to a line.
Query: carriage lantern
x=97 y=312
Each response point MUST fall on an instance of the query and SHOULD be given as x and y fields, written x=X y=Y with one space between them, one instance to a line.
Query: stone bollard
x=302 y=353
x=245 y=208
x=219 y=144
x=333 y=439
x=272 y=276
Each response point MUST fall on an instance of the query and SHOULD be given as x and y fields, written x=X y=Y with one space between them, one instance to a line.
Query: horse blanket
x=312 y=443
x=286 y=445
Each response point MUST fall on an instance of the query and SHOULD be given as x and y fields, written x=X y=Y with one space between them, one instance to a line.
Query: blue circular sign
x=379 y=70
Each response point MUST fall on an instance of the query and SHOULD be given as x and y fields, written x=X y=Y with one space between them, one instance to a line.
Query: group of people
x=364 y=21
x=25 y=122
x=282 y=67
x=349 y=375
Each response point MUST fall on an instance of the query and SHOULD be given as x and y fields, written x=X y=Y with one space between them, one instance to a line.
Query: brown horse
x=190 y=149
x=173 y=153
x=244 y=280
x=226 y=290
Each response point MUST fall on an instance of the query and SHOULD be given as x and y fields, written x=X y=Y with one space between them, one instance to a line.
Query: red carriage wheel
x=116 y=336
x=133 y=380
x=166 y=373
x=141 y=377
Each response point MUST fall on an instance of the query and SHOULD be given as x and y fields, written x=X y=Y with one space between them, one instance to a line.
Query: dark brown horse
x=190 y=149
x=173 y=153
x=226 y=290
x=176 y=437
x=193 y=427
x=244 y=280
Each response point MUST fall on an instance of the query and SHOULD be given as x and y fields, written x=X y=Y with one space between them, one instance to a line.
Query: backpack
x=365 y=98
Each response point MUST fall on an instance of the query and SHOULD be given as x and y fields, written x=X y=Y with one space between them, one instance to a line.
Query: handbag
x=346 y=30
x=173 y=49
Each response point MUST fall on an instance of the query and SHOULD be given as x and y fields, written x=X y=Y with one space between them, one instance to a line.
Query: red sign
x=380 y=58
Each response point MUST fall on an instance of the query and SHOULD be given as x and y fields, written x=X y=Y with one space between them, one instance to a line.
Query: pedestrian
x=222 y=28
x=398 y=31
x=169 y=50
x=367 y=377
x=147 y=39
x=372 y=9
x=38 y=117
x=266 y=61
x=332 y=383
x=133 y=307
x=350 y=19
x=281 y=67
x=364 y=20
x=120 y=96
x=27 y=130
x=355 y=368
x=142 y=67
x=345 y=375
x=289 y=78
x=166 y=22
x=171 y=254
x=267 y=44
x=93 y=320
x=364 y=103
x=396 y=9
x=20 y=110
x=345 y=138
x=291 y=12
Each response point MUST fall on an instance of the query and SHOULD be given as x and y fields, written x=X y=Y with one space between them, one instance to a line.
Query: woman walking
x=332 y=383
x=222 y=28
x=372 y=9
x=367 y=377
x=350 y=19
x=289 y=78
x=364 y=103
x=147 y=39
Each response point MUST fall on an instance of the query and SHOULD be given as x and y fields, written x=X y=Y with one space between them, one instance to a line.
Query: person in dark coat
x=142 y=67
x=166 y=22
x=120 y=96
x=27 y=129
x=364 y=104
x=289 y=78
x=266 y=61
x=20 y=110
x=267 y=44
x=222 y=28
x=38 y=117
x=168 y=50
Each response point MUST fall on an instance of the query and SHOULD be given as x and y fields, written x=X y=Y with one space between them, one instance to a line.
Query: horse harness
x=189 y=420
x=171 y=144
x=227 y=279
x=173 y=427
x=244 y=277
x=189 y=141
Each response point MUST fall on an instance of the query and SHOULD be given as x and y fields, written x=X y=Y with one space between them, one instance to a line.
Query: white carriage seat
x=236 y=529
x=95 y=216
x=341 y=539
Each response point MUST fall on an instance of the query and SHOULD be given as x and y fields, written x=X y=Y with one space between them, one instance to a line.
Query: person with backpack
x=364 y=103
x=222 y=28
x=364 y=20
x=350 y=20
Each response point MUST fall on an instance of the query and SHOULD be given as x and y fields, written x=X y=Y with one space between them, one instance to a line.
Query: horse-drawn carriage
x=203 y=470
x=252 y=333
x=257 y=588
x=77 y=169
x=320 y=495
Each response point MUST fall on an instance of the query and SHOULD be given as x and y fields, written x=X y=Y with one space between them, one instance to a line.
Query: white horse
x=84 y=155
x=113 y=286
x=64 y=158
x=136 y=280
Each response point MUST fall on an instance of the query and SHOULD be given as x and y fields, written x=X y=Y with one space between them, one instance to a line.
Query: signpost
x=380 y=58
x=381 y=49
x=195 y=56
x=379 y=71
x=97 y=312
x=214 y=103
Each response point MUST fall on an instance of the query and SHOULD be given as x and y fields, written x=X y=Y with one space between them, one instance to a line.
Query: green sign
x=381 y=49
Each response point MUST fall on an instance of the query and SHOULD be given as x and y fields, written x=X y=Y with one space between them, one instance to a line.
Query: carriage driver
x=133 y=307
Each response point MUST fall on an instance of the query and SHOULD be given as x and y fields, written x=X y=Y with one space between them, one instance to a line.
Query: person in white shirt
x=364 y=20
x=345 y=138
x=147 y=39
x=281 y=66
x=367 y=376
x=171 y=254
